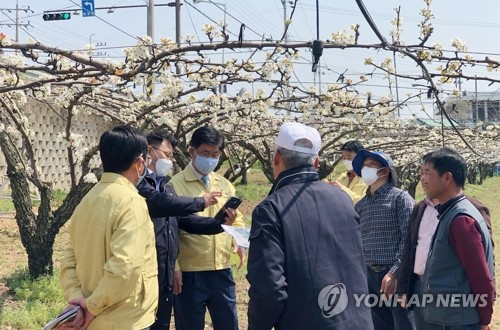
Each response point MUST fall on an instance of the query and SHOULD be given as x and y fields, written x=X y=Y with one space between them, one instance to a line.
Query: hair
x=426 y=157
x=120 y=147
x=448 y=160
x=207 y=135
x=158 y=135
x=353 y=145
x=292 y=159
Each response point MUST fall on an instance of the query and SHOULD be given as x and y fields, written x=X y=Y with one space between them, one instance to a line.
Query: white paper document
x=240 y=234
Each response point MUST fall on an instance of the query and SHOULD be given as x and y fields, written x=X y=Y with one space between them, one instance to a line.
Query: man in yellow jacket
x=110 y=267
x=206 y=279
x=349 y=181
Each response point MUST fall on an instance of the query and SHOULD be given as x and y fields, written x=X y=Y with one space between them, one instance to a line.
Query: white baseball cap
x=291 y=132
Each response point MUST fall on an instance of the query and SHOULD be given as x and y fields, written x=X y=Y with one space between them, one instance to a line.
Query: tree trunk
x=325 y=170
x=38 y=232
x=481 y=174
x=244 y=176
x=40 y=255
x=471 y=177
x=412 y=188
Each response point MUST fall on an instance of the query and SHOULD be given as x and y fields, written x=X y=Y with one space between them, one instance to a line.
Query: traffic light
x=56 y=17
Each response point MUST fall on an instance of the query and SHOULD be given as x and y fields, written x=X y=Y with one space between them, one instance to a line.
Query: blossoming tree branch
x=188 y=94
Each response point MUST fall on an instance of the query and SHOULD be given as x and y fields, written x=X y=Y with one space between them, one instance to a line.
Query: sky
x=475 y=22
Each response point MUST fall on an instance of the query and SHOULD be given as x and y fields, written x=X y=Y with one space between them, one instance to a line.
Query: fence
x=47 y=122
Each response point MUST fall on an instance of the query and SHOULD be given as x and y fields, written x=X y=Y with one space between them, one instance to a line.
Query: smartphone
x=232 y=203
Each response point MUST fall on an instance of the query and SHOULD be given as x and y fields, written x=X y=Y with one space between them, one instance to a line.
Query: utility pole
x=287 y=93
x=16 y=21
x=319 y=76
x=284 y=20
x=151 y=19
x=150 y=29
x=477 y=102
x=178 y=30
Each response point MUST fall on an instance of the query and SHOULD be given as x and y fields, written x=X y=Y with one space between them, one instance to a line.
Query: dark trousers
x=419 y=318
x=387 y=318
x=164 y=311
x=214 y=290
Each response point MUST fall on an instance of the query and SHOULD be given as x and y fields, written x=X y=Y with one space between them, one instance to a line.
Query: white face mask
x=369 y=175
x=141 y=176
x=347 y=164
x=163 y=167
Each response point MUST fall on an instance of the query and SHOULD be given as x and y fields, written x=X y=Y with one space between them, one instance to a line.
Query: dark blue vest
x=445 y=278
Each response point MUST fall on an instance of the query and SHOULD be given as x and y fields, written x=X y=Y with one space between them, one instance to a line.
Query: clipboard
x=62 y=318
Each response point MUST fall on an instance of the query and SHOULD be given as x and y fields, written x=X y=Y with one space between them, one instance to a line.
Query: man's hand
x=230 y=217
x=76 y=323
x=211 y=198
x=83 y=317
x=389 y=284
x=485 y=327
x=241 y=253
x=335 y=184
x=177 y=282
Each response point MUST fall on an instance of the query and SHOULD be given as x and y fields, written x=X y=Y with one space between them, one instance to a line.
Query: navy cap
x=382 y=157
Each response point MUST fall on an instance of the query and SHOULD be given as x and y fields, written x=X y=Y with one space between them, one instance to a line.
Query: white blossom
x=90 y=178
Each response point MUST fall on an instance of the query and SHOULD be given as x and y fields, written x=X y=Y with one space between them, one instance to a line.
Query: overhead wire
x=208 y=17
x=352 y=12
x=305 y=17
x=192 y=23
x=237 y=20
x=259 y=34
x=255 y=16
x=22 y=28
x=442 y=111
x=108 y=23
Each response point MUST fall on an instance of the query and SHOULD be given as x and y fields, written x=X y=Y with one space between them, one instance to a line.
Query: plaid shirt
x=384 y=217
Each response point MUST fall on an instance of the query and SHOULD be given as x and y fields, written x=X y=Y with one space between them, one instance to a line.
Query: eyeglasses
x=146 y=159
x=167 y=154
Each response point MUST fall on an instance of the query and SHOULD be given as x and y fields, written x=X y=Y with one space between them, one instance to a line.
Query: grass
x=256 y=190
x=27 y=304
x=33 y=303
x=6 y=205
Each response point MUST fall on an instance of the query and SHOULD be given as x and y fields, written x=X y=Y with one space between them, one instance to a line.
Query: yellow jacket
x=204 y=252
x=356 y=190
x=111 y=259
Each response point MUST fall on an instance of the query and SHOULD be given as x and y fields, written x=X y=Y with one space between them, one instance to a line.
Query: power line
x=213 y=21
x=22 y=28
x=237 y=20
x=243 y=10
x=351 y=12
x=192 y=23
x=103 y=20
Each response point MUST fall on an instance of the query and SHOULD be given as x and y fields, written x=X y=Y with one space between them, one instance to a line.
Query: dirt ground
x=13 y=255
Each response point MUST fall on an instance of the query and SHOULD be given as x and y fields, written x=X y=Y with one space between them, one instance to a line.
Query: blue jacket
x=170 y=212
x=305 y=259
